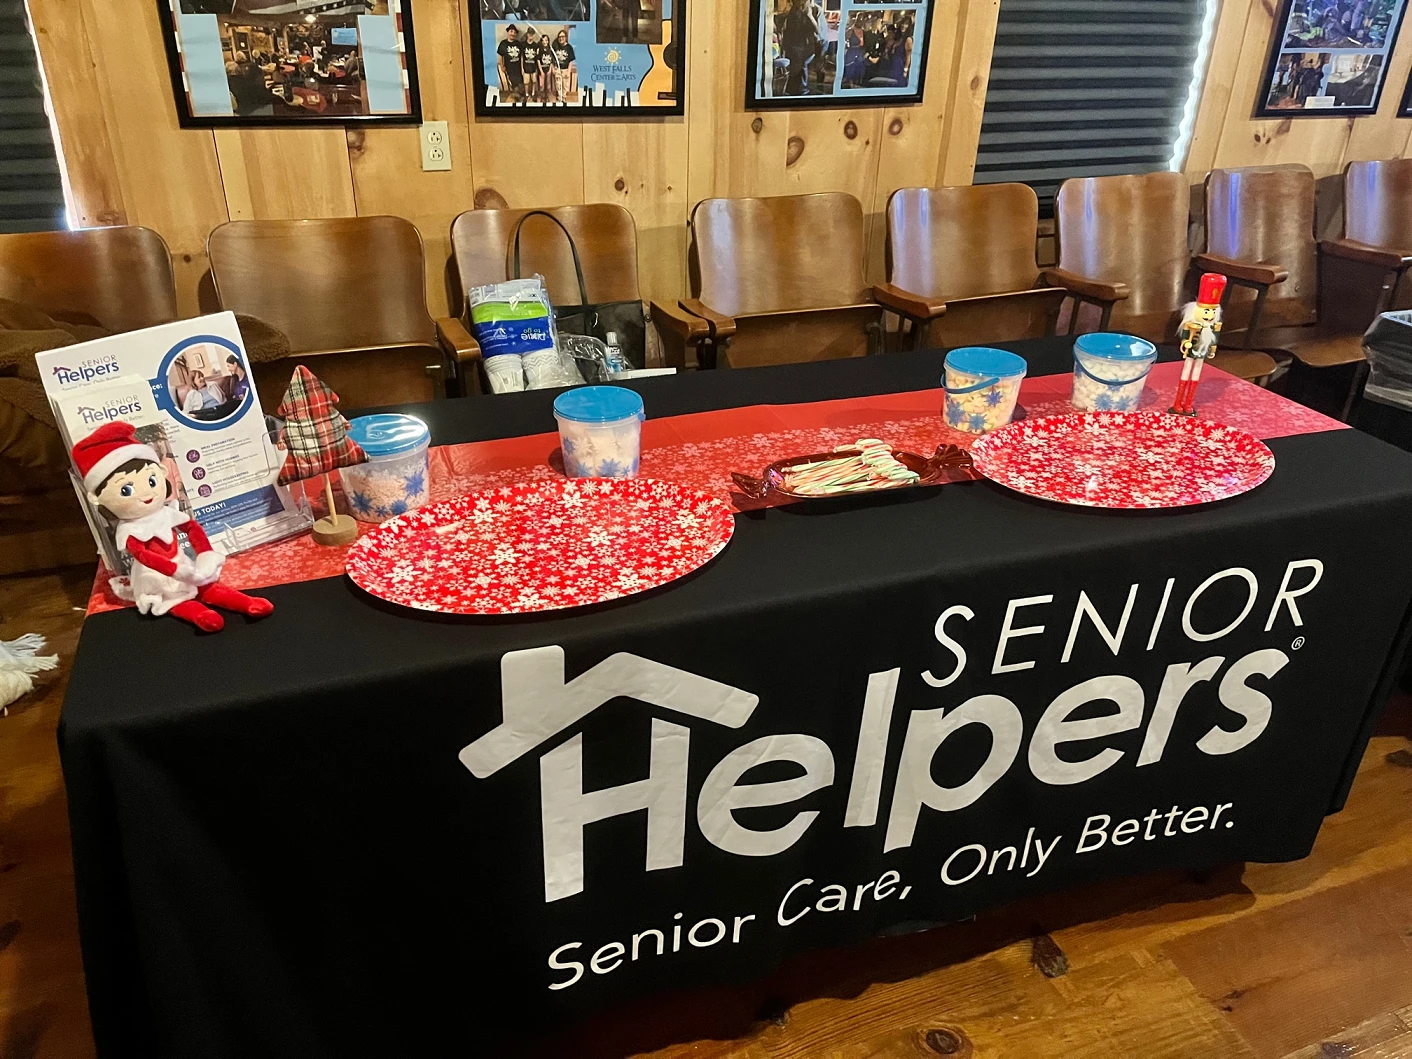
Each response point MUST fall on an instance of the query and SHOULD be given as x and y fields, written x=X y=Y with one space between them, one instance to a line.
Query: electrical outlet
x=436 y=146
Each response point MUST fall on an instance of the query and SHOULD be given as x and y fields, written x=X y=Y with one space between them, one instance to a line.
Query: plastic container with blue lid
x=1110 y=371
x=598 y=404
x=389 y=435
x=600 y=431
x=982 y=388
x=395 y=478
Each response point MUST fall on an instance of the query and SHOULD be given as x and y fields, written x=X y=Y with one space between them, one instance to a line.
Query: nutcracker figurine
x=1201 y=323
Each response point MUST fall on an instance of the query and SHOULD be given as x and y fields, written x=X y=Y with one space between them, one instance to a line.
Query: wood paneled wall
x=1225 y=134
x=129 y=162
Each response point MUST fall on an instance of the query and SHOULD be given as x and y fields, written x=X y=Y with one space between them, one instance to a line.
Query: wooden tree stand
x=336 y=529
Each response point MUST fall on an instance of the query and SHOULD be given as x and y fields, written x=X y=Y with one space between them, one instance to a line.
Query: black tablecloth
x=279 y=851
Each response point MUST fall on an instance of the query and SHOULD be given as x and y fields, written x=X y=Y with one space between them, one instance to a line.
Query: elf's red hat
x=107 y=449
x=1213 y=285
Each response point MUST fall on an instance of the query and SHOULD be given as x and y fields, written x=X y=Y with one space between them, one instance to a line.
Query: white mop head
x=18 y=660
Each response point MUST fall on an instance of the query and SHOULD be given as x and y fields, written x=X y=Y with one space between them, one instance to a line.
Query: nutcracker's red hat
x=107 y=449
x=1213 y=285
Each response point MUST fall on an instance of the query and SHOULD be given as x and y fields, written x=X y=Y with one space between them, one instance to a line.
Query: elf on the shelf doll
x=126 y=482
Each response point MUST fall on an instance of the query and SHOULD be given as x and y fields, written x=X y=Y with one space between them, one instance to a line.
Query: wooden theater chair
x=109 y=280
x=1358 y=275
x=1127 y=237
x=961 y=261
x=780 y=280
x=350 y=294
x=606 y=237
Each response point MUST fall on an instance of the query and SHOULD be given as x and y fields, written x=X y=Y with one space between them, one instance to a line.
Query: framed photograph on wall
x=837 y=53
x=577 y=58
x=1404 y=109
x=291 y=62
x=1329 y=58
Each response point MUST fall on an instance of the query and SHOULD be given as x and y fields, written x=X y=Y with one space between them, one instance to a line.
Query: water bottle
x=615 y=354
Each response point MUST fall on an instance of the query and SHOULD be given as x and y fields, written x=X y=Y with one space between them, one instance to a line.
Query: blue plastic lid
x=598 y=404
x=1112 y=346
x=388 y=435
x=982 y=360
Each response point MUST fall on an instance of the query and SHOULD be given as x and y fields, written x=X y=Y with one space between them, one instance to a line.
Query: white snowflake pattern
x=1124 y=460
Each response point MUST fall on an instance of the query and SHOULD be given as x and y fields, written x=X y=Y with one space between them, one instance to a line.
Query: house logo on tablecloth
x=538 y=704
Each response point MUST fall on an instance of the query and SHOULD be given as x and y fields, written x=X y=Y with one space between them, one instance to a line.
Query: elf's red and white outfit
x=163 y=580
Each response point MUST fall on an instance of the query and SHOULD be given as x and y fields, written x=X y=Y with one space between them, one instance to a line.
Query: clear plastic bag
x=1388 y=344
x=514 y=324
x=589 y=355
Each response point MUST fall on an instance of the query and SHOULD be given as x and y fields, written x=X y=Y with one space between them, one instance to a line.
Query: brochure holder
x=185 y=388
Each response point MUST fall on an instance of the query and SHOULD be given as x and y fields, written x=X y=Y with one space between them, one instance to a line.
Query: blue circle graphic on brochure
x=204 y=383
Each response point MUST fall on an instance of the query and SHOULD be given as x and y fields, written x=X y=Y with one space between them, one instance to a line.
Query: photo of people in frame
x=628 y=21
x=293 y=67
x=536 y=58
x=802 y=63
x=1324 y=80
x=878 y=49
x=208 y=383
x=1340 y=24
x=283 y=61
x=536 y=65
x=1329 y=57
x=814 y=52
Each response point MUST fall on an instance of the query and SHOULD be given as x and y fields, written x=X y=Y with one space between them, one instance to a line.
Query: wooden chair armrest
x=721 y=326
x=1260 y=275
x=677 y=321
x=1055 y=294
x=456 y=340
x=383 y=347
x=776 y=314
x=1366 y=253
x=908 y=304
x=1085 y=288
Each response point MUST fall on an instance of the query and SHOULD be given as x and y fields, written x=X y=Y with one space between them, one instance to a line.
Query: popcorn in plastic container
x=982 y=386
x=394 y=480
x=1110 y=371
x=600 y=431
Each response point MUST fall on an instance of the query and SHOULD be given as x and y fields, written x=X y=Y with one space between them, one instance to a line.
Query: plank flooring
x=1311 y=960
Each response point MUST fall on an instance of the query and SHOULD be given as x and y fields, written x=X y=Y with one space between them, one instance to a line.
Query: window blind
x=1086 y=88
x=31 y=191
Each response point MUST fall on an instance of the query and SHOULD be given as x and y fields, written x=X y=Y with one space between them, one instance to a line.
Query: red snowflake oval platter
x=541 y=546
x=1124 y=459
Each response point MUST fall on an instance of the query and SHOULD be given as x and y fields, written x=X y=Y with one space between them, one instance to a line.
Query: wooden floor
x=1311 y=960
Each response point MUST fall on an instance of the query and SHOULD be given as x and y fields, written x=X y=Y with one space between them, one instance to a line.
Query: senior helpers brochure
x=187 y=390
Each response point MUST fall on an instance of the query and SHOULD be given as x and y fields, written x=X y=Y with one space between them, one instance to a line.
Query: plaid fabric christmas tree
x=315 y=435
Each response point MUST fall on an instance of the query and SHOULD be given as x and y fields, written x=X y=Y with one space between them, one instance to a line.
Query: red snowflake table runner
x=700 y=450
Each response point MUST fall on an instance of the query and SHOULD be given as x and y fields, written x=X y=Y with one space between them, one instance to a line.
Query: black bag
x=625 y=320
